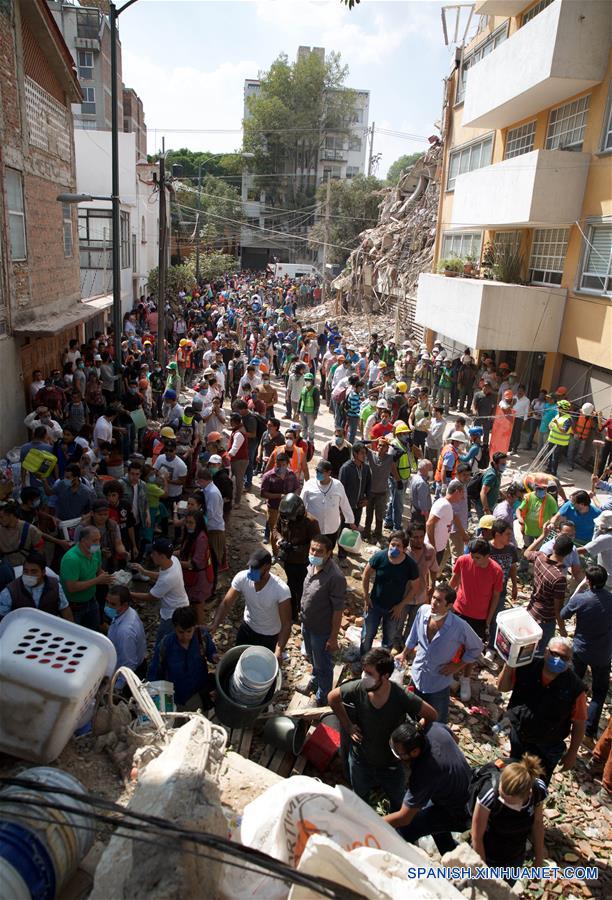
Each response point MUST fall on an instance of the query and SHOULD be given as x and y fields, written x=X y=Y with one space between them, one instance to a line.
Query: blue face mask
x=110 y=612
x=316 y=560
x=556 y=665
x=394 y=552
x=541 y=493
x=254 y=575
x=502 y=467
x=320 y=476
x=339 y=441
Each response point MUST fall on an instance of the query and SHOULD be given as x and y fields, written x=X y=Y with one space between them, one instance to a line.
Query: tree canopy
x=353 y=208
x=298 y=104
x=404 y=162
x=227 y=166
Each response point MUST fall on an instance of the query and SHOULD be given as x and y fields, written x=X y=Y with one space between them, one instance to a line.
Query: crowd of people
x=124 y=494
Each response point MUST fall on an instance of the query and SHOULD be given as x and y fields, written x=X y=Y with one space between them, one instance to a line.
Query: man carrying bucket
x=267 y=606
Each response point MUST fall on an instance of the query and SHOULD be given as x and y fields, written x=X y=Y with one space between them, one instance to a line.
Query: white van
x=293 y=270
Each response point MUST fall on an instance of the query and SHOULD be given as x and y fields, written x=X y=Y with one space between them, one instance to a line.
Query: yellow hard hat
x=183 y=342
x=402 y=387
x=400 y=427
x=168 y=432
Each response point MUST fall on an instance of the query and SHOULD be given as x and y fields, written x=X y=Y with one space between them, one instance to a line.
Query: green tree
x=178 y=278
x=353 y=208
x=298 y=105
x=227 y=166
x=404 y=162
x=220 y=208
x=214 y=264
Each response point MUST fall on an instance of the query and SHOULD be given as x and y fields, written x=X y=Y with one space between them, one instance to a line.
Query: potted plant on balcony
x=451 y=266
x=469 y=265
x=509 y=264
x=488 y=260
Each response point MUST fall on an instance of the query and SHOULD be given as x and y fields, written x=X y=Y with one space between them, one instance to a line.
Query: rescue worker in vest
x=559 y=434
x=586 y=422
x=295 y=454
x=405 y=457
x=548 y=702
x=449 y=459
x=35 y=589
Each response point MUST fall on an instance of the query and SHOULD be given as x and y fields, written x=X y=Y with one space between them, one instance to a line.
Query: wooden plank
x=245 y=743
x=299 y=765
x=276 y=761
x=338 y=670
x=298 y=701
x=286 y=765
x=266 y=756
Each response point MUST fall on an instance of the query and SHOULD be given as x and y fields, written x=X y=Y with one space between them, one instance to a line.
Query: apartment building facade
x=40 y=297
x=527 y=166
x=340 y=156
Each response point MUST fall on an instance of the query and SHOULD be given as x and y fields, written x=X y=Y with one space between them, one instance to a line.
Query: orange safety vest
x=439 y=474
x=295 y=462
x=583 y=427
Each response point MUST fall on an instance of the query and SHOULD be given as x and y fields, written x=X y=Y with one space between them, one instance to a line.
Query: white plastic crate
x=50 y=670
x=517 y=637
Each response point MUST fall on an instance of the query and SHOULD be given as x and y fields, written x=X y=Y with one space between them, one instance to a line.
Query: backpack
x=490 y=771
x=475 y=485
x=148 y=439
x=260 y=424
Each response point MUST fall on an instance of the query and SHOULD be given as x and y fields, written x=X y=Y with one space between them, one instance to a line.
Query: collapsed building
x=383 y=271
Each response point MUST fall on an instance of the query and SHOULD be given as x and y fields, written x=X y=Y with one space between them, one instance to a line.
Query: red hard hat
x=508 y=395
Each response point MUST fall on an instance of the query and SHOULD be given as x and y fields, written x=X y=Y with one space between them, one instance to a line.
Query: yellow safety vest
x=406 y=464
x=558 y=436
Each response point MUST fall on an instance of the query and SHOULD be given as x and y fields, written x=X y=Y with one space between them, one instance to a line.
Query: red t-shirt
x=606 y=429
x=381 y=429
x=476 y=588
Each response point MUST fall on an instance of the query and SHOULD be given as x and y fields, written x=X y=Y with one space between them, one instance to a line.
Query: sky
x=187 y=60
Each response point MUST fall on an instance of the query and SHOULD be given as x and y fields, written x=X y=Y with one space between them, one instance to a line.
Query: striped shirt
x=549 y=588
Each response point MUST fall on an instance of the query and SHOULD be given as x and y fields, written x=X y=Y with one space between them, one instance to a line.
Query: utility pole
x=198 y=205
x=163 y=255
x=371 y=147
x=325 y=247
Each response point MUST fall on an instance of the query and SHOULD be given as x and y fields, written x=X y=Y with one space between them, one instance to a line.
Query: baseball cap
x=309 y=377
x=259 y=558
x=215 y=459
x=486 y=521
x=170 y=394
x=163 y=545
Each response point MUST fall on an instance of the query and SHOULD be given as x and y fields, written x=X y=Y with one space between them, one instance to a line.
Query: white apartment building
x=139 y=216
x=340 y=157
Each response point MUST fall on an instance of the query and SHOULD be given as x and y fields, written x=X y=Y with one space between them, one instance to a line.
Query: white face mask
x=517 y=807
x=29 y=581
x=437 y=617
x=368 y=681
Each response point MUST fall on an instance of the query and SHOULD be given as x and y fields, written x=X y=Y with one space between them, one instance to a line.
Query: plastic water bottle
x=398 y=674
x=502 y=727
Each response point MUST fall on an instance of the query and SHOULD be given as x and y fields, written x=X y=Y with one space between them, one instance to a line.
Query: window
x=125 y=240
x=67 y=222
x=143 y=230
x=462 y=244
x=548 y=250
x=88 y=106
x=466 y=159
x=86 y=124
x=533 y=12
x=355 y=144
x=134 y=269
x=95 y=238
x=511 y=239
x=566 y=125
x=596 y=273
x=352 y=171
x=334 y=142
x=478 y=53
x=606 y=141
x=16 y=215
x=88 y=23
x=520 y=140
x=85 y=64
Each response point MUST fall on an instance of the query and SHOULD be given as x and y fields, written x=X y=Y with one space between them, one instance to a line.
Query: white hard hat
x=459 y=436
x=425 y=356
x=587 y=409
x=382 y=404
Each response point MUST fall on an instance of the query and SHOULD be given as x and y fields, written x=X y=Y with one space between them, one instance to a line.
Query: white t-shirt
x=177 y=469
x=103 y=431
x=443 y=509
x=600 y=546
x=261 y=607
x=170 y=589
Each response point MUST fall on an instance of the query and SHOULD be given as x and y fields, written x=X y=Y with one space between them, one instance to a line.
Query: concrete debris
x=385 y=268
x=463 y=856
x=180 y=786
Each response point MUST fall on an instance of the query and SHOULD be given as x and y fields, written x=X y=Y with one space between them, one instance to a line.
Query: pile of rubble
x=385 y=267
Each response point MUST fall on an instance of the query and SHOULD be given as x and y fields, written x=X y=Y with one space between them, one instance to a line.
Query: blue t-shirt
x=391 y=579
x=582 y=521
x=593 y=637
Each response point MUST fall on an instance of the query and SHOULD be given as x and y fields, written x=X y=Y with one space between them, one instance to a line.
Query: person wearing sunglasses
x=548 y=703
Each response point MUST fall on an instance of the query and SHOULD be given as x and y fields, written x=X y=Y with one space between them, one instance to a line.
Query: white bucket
x=162 y=695
x=350 y=540
x=255 y=672
x=67 y=835
x=518 y=636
